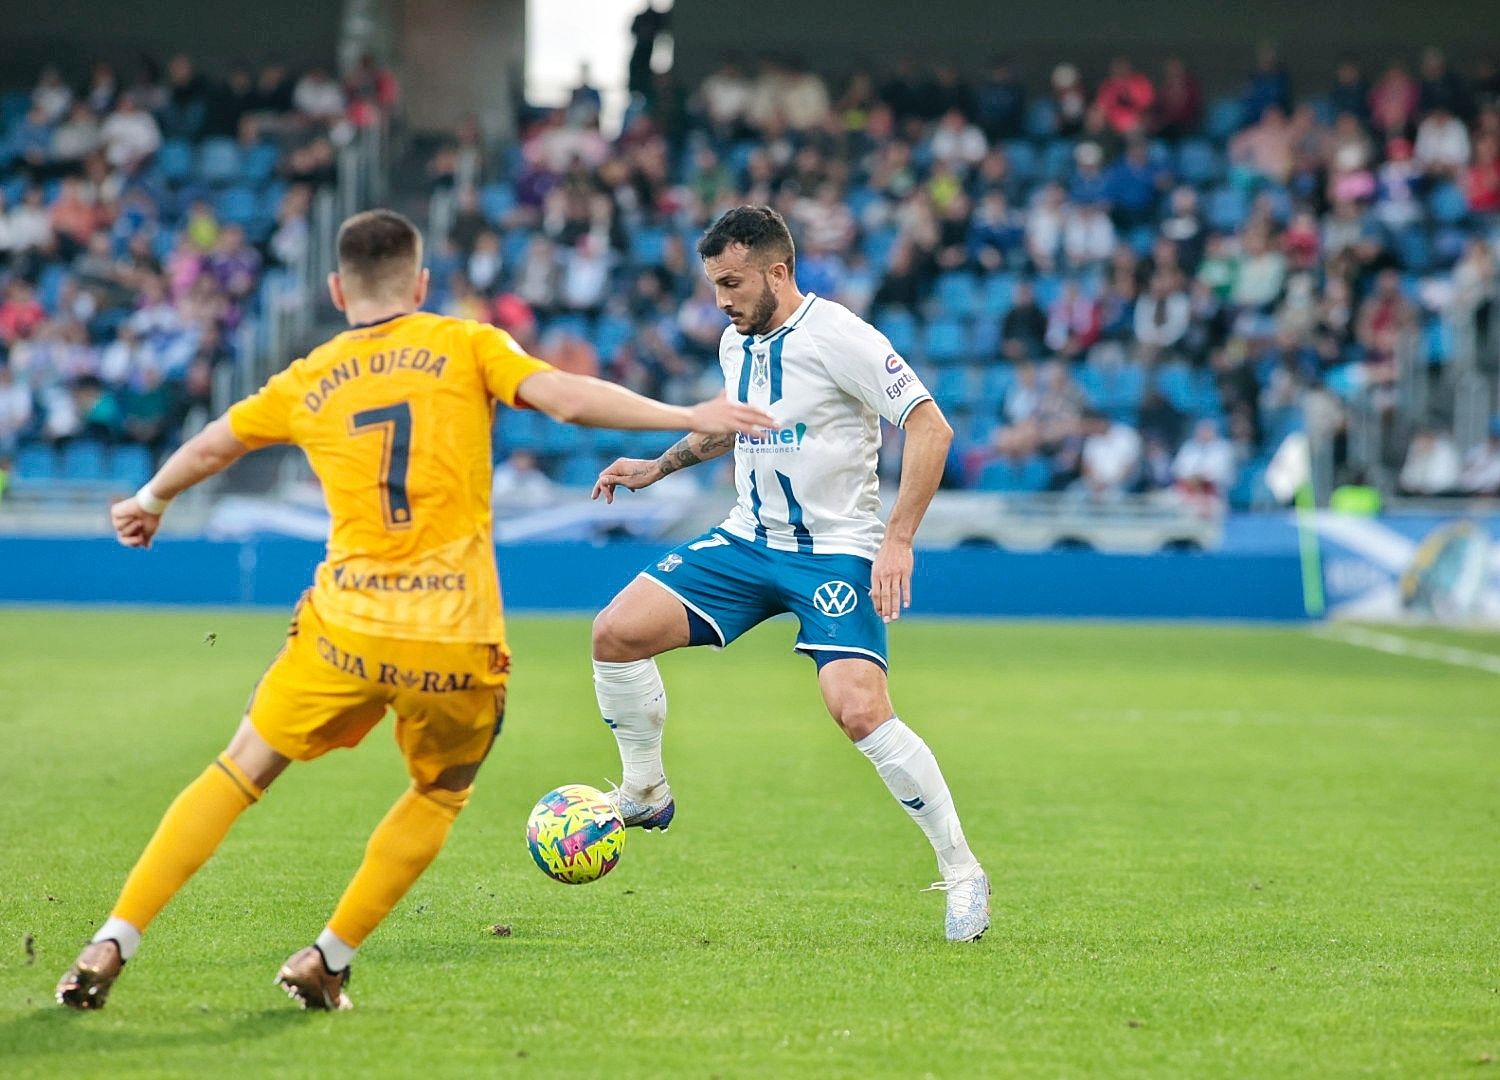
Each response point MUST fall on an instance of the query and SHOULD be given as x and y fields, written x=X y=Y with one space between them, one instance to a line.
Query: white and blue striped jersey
x=828 y=377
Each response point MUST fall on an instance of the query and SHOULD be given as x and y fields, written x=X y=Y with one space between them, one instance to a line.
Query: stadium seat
x=984 y=338
x=175 y=160
x=1057 y=160
x=999 y=475
x=995 y=299
x=957 y=294
x=496 y=201
x=1413 y=250
x=1041 y=119
x=219 y=161
x=1448 y=204
x=259 y=164
x=994 y=385
x=581 y=470
x=900 y=327
x=520 y=429
x=952 y=387
x=944 y=341
x=558 y=438
x=83 y=460
x=237 y=205
x=513 y=246
x=36 y=462
x=1197 y=162
x=1023 y=159
x=1224 y=118
x=1226 y=209
x=129 y=465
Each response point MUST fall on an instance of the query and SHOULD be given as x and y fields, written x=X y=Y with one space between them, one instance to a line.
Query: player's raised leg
x=641 y=622
x=857 y=696
x=192 y=828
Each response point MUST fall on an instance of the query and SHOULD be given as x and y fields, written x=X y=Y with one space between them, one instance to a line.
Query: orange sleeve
x=504 y=364
x=265 y=416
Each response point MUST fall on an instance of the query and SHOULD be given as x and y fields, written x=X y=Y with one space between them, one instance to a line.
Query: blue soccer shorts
x=729 y=585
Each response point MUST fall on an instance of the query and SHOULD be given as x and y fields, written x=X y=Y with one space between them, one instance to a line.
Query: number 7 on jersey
x=394 y=424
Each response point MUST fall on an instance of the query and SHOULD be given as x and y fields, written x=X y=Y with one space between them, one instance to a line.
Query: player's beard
x=764 y=309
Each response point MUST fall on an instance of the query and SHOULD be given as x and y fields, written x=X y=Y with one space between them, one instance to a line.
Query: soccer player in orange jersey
x=395 y=416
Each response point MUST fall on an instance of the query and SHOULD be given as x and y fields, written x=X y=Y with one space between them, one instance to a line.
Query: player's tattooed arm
x=693 y=450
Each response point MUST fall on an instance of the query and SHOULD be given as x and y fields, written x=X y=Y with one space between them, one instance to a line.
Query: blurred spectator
x=520 y=483
x=1179 y=106
x=1393 y=101
x=15 y=411
x=1088 y=236
x=1441 y=87
x=274 y=89
x=1351 y=91
x=20 y=313
x=1432 y=467
x=229 y=103
x=1205 y=465
x=1482 y=180
x=1024 y=328
x=1442 y=144
x=1132 y=186
x=1000 y=103
x=130 y=135
x=1161 y=316
x=318 y=96
x=1069 y=99
x=187 y=100
x=1260 y=274
x=1268 y=85
x=1480 y=475
x=76 y=137
x=957 y=142
x=1125 y=98
x=649 y=24
x=485 y=262
x=1072 y=322
x=1110 y=458
x=52 y=97
x=1264 y=149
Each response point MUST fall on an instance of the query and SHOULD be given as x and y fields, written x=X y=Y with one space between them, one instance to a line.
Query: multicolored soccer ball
x=575 y=834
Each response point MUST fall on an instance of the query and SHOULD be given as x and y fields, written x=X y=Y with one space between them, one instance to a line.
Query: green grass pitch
x=1217 y=852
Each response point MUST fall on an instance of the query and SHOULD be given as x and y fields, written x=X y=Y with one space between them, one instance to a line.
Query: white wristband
x=150 y=503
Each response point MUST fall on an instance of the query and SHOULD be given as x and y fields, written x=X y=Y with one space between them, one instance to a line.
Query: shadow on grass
x=51 y=1029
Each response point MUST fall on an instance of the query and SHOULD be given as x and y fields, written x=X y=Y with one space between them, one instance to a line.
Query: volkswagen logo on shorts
x=670 y=563
x=835 y=598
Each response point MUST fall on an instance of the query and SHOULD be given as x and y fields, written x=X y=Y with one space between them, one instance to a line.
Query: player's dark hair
x=378 y=249
x=759 y=228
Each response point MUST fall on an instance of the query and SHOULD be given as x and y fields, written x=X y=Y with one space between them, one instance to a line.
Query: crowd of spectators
x=1113 y=287
x=139 y=216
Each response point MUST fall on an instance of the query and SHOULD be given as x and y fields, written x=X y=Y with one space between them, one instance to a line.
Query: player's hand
x=133 y=526
x=890 y=578
x=720 y=416
x=632 y=474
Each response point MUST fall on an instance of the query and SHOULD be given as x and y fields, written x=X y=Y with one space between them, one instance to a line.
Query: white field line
x=1410 y=647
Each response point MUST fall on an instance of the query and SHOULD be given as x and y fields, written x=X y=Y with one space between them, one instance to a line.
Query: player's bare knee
x=618 y=639
x=860 y=716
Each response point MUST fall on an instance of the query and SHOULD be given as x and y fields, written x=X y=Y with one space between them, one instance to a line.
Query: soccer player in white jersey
x=804 y=538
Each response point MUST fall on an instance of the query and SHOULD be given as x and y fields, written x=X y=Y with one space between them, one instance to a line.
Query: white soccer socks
x=633 y=703
x=911 y=772
x=338 y=954
x=122 y=933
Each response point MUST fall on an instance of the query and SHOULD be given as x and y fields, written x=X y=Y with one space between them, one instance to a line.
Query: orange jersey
x=396 y=421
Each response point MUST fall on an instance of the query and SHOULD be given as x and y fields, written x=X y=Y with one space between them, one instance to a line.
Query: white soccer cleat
x=655 y=812
x=968 y=914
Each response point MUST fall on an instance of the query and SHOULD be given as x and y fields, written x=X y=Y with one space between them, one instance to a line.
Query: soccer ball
x=575 y=834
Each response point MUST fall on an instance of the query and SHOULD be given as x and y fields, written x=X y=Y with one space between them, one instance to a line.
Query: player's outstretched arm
x=581 y=399
x=211 y=451
x=923 y=459
x=636 y=473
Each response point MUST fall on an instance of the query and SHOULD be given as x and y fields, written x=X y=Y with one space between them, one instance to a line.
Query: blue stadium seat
x=1057 y=160
x=900 y=326
x=496 y=201
x=1023 y=159
x=996 y=298
x=1041 y=118
x=83 y=460
x=513 y=246
x=558 y=438
x=957 y=293
x=994 y=385
x=259 y=164
x=1226 y=209
x=612 y=332
x=860 y=199
x=520 y=429
x=175 y=160
x=648 y=246
x=999 y=475
x=581 y=470
x=219 y=161
x=984 y=338
x=1448 y=204
x=1036 y=473
x=238 y=205
x=36 y=462
x=611 y=443
x=944 y=341
x=1225 y=115
x=877 y=245
x=952 y=388
x=129 y=465
x=1413 y=250
x=1197 y=162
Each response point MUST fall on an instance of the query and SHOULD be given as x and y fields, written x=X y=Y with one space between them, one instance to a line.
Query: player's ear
x=424 y=279
x=336 y=291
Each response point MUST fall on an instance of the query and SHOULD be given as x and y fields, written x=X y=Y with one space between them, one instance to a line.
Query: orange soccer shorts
x=329 y=686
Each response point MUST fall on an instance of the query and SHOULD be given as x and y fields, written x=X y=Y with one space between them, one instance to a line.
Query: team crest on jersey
x=760 y=368
x=670 y=563
x=835 y=599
